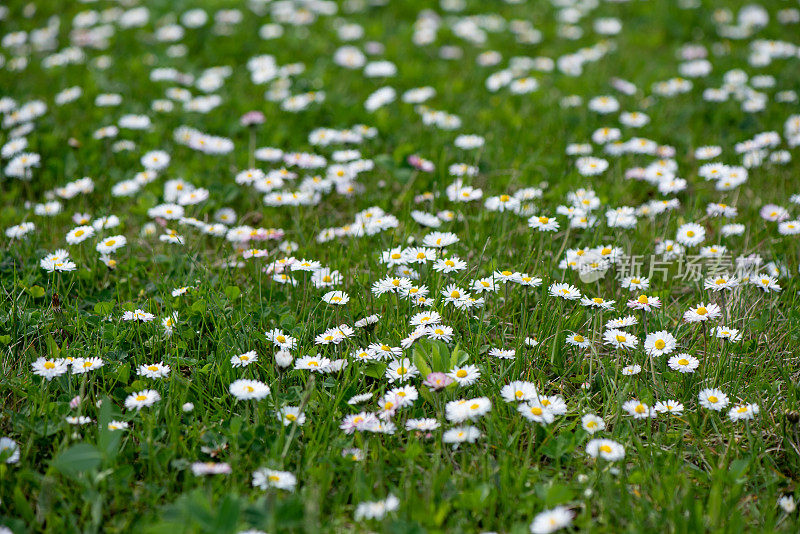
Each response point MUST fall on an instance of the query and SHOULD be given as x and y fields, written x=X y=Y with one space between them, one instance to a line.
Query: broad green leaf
x=104 y=308
x=108 y=441
x=123 y=372
x=36 y=292
x=52 y=347
x=375 y=370
x=77 y=459
x=558 y=494
x=233 y=292
x=421 y=363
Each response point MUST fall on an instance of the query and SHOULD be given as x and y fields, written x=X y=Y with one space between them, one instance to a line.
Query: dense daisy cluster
x=356 y=266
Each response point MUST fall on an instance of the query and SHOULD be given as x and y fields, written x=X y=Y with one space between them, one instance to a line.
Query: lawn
x=399 y=266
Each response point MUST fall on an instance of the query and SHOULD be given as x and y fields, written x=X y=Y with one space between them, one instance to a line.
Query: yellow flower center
x=605 y=448
x=701 y=310
x=461 y=373
x=537 y=411
x=659 y=344
x=713 y=399
x=141 y=398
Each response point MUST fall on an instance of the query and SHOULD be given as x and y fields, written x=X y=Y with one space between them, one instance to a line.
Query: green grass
x=690 y=473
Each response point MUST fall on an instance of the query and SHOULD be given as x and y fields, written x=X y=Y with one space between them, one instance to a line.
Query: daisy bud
x=188 y=407
x=283 y=358
x=252 y=118
x=75 y=402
